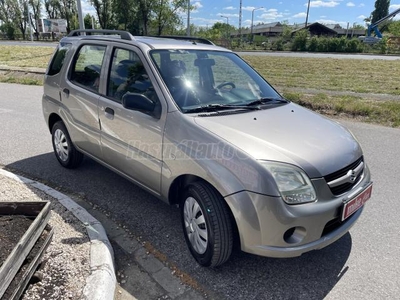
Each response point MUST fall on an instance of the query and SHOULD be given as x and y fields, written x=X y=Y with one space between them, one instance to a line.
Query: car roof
x=152 y=42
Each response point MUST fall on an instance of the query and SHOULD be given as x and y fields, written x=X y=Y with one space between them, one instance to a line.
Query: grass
x=21 y=56
x=368 y=110
x=361 y=76
x=366 y=76
x=20 y=80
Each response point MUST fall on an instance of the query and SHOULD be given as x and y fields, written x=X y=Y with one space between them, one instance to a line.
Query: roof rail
x=125 y=35
x=185 y=38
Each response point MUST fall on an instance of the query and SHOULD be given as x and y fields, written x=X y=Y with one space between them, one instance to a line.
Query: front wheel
x=66 y=153
x=206 y=224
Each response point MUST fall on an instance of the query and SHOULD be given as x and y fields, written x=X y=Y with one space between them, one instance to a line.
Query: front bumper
x=269 y=227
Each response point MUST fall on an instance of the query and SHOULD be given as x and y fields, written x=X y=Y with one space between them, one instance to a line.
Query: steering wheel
x=220 y=86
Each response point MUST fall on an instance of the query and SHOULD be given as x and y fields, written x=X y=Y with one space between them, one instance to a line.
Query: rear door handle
x=109 y=112
x=66 y=92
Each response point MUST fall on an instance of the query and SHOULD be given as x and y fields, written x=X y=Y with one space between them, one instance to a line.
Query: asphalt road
x=364 y=264
x=28 y=43
x=258 y=53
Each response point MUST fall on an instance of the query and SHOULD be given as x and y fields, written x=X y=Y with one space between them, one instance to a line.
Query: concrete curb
x=40 y=71
x=100 y=285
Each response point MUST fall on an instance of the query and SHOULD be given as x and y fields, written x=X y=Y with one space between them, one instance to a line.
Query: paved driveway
x=364 y=264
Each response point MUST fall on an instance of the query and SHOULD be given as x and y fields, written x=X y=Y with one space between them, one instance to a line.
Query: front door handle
x=109 y=112
x=66 y=92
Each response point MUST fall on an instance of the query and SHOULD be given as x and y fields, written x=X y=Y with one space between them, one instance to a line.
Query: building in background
x=274 y=30
x=52 y=25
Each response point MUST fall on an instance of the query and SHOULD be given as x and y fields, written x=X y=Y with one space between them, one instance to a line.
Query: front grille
x=333 y=225
x=346 y=186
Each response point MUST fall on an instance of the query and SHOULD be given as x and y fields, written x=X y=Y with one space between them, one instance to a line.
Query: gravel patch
x=65 y=266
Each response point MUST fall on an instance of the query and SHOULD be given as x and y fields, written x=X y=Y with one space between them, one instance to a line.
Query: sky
x=208 y=12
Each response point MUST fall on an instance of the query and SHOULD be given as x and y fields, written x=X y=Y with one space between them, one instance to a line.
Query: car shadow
x=310 y=276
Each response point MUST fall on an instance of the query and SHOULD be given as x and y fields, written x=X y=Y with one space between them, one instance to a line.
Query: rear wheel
x=66 y=153
x=206 y=224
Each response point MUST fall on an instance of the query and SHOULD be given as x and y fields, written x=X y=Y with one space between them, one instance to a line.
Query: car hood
x=290 y=134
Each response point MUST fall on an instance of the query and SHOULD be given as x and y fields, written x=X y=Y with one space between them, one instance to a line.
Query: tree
x=220 y=30
x=300 y=40
x=123 y=12
x=127 y=15
x=87 y=20
x=166 y=13
x=53 y=8
x=9 y=29
x=36 y=8
x=105 y=13
x=381 y=10
x=144 y=14
x=67 y=11
x=6 y=17
x=14 y=15
x=394 y=28
x=358 y=27
x=286 y=32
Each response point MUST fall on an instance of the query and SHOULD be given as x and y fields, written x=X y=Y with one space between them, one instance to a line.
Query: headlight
x=294 y=185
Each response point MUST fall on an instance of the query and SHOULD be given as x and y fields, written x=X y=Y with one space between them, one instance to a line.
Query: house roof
x=314 y=26
x=268 y=25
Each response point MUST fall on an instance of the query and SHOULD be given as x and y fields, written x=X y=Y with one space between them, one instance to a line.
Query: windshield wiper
x=266 y=100
x=216 y=107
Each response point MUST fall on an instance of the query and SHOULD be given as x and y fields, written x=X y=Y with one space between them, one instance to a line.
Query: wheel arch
x=53 y=119
x=182 y=181
x=179 y=184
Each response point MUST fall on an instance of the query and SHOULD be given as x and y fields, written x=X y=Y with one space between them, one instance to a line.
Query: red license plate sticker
x=355 y=204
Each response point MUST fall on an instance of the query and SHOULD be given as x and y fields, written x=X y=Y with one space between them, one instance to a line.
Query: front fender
x=189 y=149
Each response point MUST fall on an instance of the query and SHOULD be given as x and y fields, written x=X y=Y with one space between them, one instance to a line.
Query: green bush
x=354 y=45
x=279 y=45
x=341 y=45
x=383 y=45
x=333 y=45
x=300 y=41
x=323 y=44
x=9 y=30
x=313 y=44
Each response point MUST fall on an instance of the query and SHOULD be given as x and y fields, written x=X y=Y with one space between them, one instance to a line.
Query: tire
x=65 y=151
x=206 y=224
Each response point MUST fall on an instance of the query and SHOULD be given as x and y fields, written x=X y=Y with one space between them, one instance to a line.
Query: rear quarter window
x=58 y=59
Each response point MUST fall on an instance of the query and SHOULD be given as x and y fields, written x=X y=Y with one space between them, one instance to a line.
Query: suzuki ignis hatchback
x=195 y=125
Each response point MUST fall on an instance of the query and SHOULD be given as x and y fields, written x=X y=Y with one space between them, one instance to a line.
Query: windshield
x=198 y=78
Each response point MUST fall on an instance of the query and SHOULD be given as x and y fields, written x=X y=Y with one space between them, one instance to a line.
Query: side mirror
x=139 y=102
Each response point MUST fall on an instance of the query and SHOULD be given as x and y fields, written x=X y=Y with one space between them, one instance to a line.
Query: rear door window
x=58 y=59
x=87 y=66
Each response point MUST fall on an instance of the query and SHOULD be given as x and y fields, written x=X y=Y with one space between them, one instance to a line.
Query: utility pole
x=80 y=16
x=28 y=20
x=240 y=23
x=227 y=22
x=308 y=11
x=188 y=19
x=30 y=26
x=252 y=19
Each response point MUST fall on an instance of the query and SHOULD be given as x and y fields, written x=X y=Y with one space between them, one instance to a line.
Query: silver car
x=195 y=125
